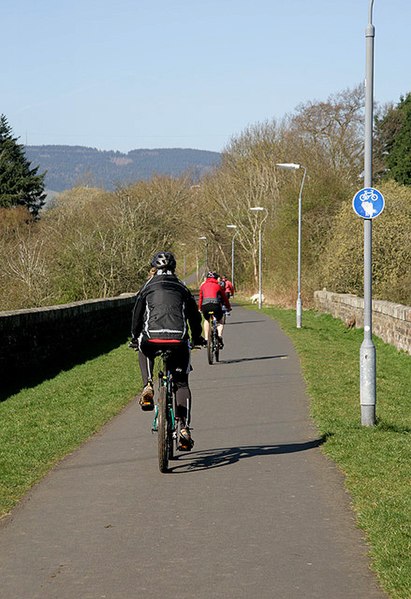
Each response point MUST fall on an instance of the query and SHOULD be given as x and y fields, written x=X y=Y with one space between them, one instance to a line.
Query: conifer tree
x=399 y=159
x=393 y=142
x=20 y=185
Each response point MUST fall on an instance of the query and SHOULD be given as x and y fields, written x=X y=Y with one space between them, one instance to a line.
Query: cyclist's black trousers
x=179 y=364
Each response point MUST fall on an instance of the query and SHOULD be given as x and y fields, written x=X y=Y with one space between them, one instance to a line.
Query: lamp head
x=288 y=165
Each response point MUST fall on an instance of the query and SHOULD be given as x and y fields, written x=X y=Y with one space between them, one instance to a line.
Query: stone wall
x=42 y=341
x=391 y=322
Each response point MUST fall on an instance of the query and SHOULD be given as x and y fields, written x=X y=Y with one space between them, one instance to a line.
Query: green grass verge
x=42 y=424
x=376 y=460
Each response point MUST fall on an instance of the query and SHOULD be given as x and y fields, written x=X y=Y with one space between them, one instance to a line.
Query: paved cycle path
x=254 y=511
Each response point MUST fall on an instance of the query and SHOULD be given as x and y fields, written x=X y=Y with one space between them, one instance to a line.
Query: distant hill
x=69 y=166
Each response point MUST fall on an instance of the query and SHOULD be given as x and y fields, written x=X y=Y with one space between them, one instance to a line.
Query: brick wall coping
x=72 y=308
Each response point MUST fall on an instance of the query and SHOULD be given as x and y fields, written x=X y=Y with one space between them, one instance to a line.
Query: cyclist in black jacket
x=163 y=309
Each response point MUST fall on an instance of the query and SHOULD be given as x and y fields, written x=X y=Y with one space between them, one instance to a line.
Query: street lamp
x=203 y=238
x=295 y=167
x=367 y=350
x=260 y=254
x=234 y=227
x=184 y=261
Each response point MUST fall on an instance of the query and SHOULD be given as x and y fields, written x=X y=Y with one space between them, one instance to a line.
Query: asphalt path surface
x=254 y=511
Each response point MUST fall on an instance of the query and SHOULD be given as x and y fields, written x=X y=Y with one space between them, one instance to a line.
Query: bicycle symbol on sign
x=368 y=203
x=367 y=198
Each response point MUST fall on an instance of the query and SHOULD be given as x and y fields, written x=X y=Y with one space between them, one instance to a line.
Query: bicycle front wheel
x=163 y=441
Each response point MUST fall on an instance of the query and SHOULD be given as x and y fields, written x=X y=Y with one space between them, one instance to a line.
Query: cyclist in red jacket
x=228 y=287
x=212 y=298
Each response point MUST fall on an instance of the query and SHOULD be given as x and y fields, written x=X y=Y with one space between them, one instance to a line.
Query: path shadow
x=252 y=359
x=244 y=322
x=226 y=456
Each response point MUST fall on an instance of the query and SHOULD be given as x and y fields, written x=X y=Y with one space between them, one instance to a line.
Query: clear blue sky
x=127 y=74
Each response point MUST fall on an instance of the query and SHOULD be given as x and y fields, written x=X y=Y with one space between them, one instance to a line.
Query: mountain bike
x=165 y=422
x=213 y=347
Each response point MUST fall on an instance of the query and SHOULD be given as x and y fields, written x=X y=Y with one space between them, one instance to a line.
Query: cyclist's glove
x=200 y=341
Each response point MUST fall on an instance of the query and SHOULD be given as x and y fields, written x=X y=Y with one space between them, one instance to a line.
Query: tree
x=334 y=129
x=399 y=157
x=20 y=185
x=393 y=142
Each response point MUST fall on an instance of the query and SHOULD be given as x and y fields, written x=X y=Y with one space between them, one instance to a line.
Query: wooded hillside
x=70 y=166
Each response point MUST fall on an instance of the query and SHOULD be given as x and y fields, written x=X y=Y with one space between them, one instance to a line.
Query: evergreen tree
x=399 y=159
x=393 y=142
x=20 y=185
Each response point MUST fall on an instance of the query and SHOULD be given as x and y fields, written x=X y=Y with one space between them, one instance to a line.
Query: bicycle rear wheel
x=210 y=344
x=216 y=345
x=163 y=437
x=170 y=434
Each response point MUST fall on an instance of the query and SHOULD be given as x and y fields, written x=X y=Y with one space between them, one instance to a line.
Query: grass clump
x=375 y=460
x=42 y=424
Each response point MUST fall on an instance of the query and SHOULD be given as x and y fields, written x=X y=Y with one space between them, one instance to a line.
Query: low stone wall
x=391 y=322
x=44 y=340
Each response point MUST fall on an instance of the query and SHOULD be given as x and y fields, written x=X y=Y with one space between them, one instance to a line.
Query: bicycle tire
x=210 y=349
x=170 y=438
x=216 y=346
x=163 y=430
x=174 y=434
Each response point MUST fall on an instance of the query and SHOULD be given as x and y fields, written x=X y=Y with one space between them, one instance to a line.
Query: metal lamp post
x=260 y=254
x=293 y=166
x=234 y=227
x=203 y=238
x=367 y=350
x=183 y=245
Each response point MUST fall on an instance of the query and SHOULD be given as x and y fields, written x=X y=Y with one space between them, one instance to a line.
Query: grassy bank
x=376 y=461
x=40 y=425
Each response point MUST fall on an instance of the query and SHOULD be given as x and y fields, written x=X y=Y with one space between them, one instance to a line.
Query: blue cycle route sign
x=368 y=203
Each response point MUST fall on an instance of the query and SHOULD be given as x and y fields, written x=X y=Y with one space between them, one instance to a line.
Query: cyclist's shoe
x=186 y=443
x=220 y=343
x=146 y=400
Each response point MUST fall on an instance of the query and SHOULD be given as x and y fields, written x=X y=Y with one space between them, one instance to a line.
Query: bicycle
x=165 y=423
x=213 y=346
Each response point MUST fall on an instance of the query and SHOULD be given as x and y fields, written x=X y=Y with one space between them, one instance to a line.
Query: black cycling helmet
x=164 y=260
x=212 y=275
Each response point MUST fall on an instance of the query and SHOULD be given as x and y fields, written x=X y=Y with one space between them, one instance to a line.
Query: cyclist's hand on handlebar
x=134 y=344
x=200 y=342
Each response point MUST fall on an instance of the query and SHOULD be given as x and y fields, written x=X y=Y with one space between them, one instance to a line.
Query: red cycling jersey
x=211 y=292
x=229 y=288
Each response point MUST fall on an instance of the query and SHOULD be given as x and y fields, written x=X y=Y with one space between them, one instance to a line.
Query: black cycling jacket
x=162 y=310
